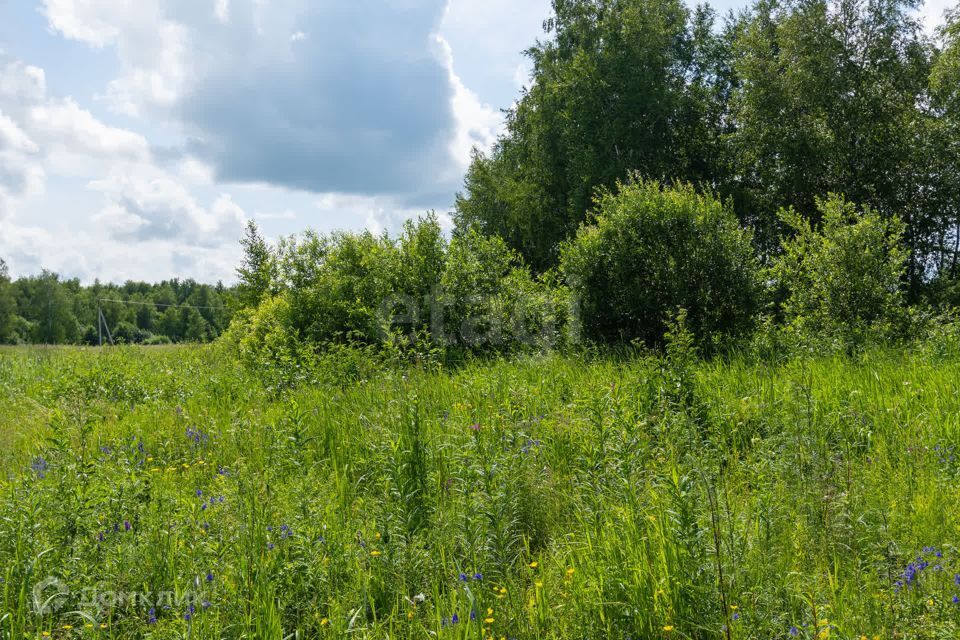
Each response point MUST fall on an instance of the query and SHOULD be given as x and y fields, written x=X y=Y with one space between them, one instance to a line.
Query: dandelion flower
x=668 y=628
x=375 y=553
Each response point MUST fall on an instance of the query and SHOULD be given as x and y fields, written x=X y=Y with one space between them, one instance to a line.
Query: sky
x=138 y=137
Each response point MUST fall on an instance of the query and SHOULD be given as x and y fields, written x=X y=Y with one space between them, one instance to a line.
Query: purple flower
x=152 y=616
x=464 y=577
x=40 y=467
x=794 y=631
x=454 y=619
x=126 y=525
x=209 y=576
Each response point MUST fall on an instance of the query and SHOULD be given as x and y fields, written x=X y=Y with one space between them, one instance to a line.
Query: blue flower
x=152 y=616
x=40 y=467
x=209 y=576
x=478 y=576
x=794 y=631
x=454 y=619
x=464 y=577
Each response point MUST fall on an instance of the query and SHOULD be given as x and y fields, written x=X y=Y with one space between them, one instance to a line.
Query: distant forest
x=44 y=309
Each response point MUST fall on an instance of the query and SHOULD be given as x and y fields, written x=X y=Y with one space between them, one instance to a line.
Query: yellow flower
x=375 y=553
x=489 y=612
x=45 y=634
x=103 y=625
x=488 y=620
x=409 y=615
x=503 y=591
x=324 y=622
x=930 y=602
x=668 y=628
x=67 y=627
x=538 y=585
x=734 y=607
x=377 y=535
x=534 y=564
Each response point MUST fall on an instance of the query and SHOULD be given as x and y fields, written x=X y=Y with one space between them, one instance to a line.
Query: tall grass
x=547 y=497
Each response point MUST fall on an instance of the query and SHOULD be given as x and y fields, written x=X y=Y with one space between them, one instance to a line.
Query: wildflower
x=454 y=619
x=534 y=564
x=488 y=620
x=794 y=632
x=478 y=576
x=570 y=572
x=475 y=427
x=463 y=577
x=668 y=628
x=736 y=616
x=152 y=616
x=67 y=627
x=206 y=604
x=40 y=467
x=538 y=585
x=126 y=525
x=324 y=622
x=375 y=553
x=209 y=576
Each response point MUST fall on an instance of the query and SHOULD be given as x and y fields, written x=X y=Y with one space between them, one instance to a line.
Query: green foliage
x=257 y=271
x=617 y=87
x=8 y=306
x=842 y=280
x=490 y=301
x=652 y=250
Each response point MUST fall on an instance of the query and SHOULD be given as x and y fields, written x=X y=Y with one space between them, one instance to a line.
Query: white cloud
x=286 y=214
x=222 y=10
x=477 y=124
x=144 y=208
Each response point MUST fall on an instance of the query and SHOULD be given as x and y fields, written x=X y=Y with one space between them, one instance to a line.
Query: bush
x=489 y=300
x=652 y=250
x=341 y=287
x=842 y=282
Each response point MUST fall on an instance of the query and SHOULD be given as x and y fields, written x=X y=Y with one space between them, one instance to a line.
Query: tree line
x=786 y=176
x=45 y=309
x=772 y=107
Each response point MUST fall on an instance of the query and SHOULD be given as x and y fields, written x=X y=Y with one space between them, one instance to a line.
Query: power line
x=159 y=304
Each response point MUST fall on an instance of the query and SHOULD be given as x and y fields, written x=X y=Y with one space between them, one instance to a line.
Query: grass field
x=170 y=494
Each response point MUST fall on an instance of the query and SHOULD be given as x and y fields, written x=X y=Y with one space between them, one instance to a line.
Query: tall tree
x=619 y=86
x=830 y=98
x=8 y=305
x=257 y=272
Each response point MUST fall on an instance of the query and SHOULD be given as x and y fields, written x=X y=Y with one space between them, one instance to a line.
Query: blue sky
x=138 y=136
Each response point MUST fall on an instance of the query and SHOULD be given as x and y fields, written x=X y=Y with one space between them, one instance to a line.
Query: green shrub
x=489 y=300
x=652 y=250
x=842 y=281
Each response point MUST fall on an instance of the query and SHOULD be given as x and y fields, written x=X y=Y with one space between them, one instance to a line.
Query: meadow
x=171 y=493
